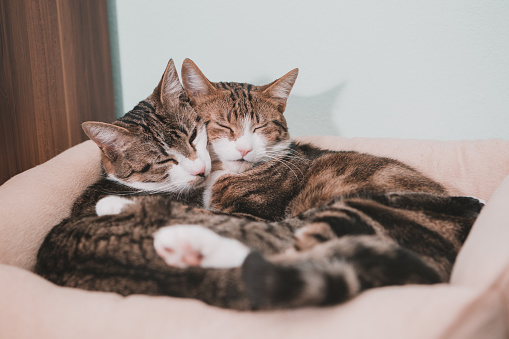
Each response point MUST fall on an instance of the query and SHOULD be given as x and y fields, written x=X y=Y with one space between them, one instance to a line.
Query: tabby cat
x=156 y=246
x=159 y=147
x=378 y=221
x=370 y=237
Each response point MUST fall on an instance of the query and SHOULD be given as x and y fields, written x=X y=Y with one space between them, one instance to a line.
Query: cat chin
x=237 y=166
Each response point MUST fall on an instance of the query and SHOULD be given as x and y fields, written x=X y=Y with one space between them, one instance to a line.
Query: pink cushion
x=474 y=305
x=38 y=309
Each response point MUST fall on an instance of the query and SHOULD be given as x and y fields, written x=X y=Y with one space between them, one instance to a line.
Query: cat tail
x=332 y=272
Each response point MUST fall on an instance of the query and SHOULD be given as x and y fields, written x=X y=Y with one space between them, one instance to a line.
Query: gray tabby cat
x=332 y=244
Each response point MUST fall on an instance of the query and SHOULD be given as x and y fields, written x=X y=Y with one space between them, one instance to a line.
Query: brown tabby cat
x=370 y=237
x=266 y=176
x=116 y=253
x=158 y=147
x=247 y=130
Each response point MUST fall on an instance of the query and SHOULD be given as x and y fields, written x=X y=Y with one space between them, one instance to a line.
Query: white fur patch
x=111 y=205
x=182 y=176
x=211 y=180
x=200 y=142
x=229 y=151
x=176 y=244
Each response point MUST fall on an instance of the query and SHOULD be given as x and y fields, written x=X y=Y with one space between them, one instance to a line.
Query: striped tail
x=332 y=272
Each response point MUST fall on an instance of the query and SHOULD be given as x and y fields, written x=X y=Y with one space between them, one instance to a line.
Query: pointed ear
x=279 y=90
x=169 y=87
x=195 y=83
x=110 y=138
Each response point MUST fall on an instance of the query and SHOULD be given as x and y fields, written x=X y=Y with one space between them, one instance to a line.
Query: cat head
x=245 y=123
x=160 y=145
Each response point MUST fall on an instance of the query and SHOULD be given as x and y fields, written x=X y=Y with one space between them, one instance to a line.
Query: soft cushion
x=474 y=305
x=42 y=310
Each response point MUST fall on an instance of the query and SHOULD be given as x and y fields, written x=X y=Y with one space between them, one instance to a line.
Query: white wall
x=430 y=69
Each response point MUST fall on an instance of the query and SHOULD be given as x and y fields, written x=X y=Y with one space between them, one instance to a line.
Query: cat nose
x=197 y=167
x=244 y=150
x=200 y=171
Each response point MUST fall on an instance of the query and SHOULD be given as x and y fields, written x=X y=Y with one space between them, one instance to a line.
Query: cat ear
x=169 y=87
x=195 y=83
x=110 y=138
x=279 y=90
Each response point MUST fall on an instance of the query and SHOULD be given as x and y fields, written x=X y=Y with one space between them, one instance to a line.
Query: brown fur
x=133 y=146
x=300 y=177
x=303 y=177
x=346 y=222
x=115 y=253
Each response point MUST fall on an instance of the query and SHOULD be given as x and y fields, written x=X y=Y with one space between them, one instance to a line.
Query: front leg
x=247 y=195
x=112 y=205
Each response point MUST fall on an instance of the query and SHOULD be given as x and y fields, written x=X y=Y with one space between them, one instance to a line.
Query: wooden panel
x=56 y=73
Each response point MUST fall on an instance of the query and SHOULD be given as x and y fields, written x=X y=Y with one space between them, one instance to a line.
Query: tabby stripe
x=147 y=105
x=145 y=168
x=155 y=137
x=266 y=241
x=342 y=226
x=277 y=123
x=407 y=232
x=174 y=134
x=249 y=96
x=319 y=237
x=222 y=85
x=136 y=114
x=160 y=118
x=336 y=289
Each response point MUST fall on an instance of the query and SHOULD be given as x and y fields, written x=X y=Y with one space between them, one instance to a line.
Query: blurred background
x=399 y=69
x=395 y=69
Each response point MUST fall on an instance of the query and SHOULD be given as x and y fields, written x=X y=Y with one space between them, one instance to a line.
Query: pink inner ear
x=280 y=89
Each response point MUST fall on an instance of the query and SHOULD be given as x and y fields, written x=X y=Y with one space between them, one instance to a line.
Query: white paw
x=194 y=245
x=111 y=204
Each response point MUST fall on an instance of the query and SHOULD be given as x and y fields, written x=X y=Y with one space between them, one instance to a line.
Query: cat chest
x=263 y=197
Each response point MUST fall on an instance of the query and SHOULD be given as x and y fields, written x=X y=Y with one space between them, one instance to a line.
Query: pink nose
x=200 y=171
x=244 y=151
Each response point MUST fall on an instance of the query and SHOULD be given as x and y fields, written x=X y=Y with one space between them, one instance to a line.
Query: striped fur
x=322 y=226
x=278 y=185
x=157 y=147
x=115 y=253
x=281 y=179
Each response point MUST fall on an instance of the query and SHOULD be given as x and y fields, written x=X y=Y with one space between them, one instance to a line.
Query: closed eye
x=167 y=160
x=259 y=127
x=225 y=127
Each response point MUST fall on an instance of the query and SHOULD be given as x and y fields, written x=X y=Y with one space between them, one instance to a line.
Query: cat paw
x=111 y=205
x=311 y=235
x=193 y=245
